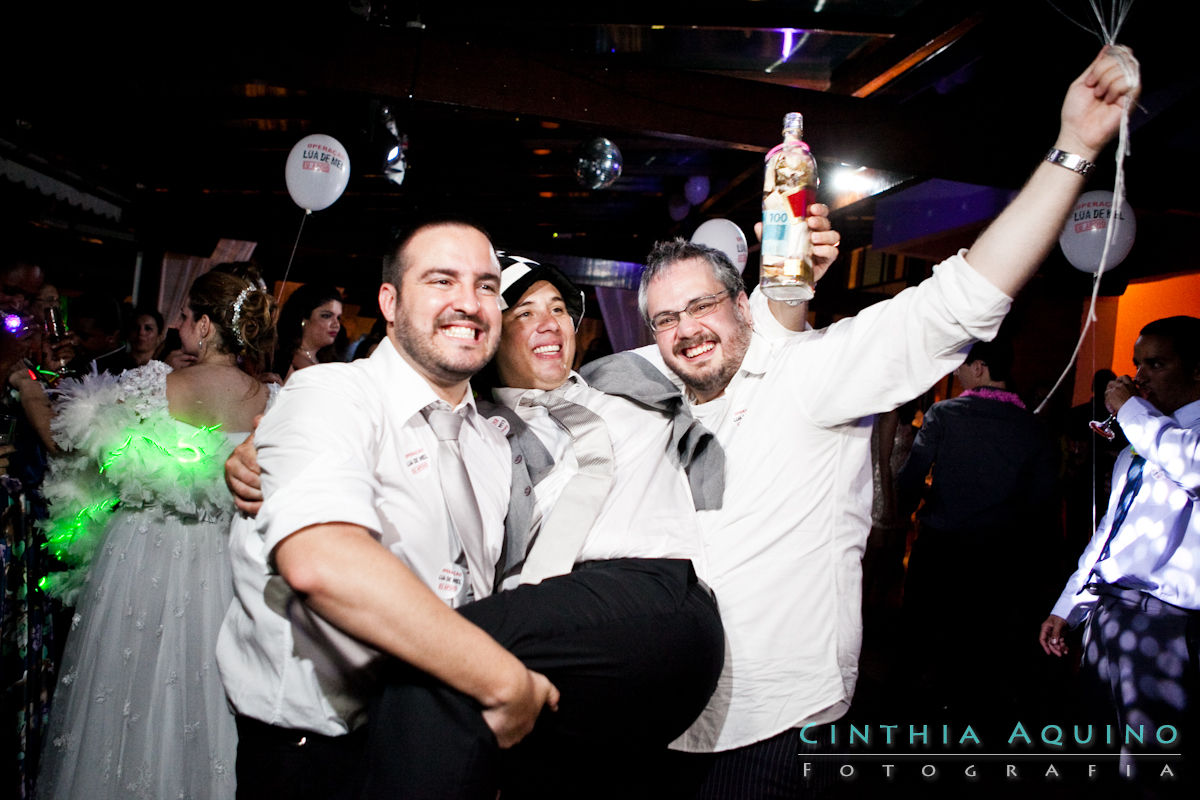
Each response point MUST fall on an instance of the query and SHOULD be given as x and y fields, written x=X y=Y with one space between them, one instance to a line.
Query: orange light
x=542 y=151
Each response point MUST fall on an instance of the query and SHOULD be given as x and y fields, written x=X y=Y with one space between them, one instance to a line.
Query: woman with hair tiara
x=140 y=516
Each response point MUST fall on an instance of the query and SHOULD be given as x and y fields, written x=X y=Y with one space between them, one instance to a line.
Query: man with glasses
x=794 y=413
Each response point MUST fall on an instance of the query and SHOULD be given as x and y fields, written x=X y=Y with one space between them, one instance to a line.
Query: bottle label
x=799 y=202
x=774 y=232
x=784 y=233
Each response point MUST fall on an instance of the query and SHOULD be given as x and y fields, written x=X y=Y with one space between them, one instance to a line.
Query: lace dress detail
x=140 y=514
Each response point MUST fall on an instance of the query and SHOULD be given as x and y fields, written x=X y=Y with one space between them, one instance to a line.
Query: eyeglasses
x=700 y=307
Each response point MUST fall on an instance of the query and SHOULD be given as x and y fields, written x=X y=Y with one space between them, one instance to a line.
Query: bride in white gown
x=140 y=513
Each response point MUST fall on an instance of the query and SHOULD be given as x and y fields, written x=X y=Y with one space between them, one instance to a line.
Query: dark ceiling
x=181 y=115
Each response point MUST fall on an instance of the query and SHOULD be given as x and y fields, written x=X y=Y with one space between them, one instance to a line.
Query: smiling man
x=357 y=550
x=793 y=414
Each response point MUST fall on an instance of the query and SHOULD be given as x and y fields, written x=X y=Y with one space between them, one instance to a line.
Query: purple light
x=13 y=323
x=787 y=44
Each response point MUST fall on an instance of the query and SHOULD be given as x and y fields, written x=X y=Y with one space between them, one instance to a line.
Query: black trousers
x=1141 y=658
x=786 y=766
x=274 y=762
x=635 y=647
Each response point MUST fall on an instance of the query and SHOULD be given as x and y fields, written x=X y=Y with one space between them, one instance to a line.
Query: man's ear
x=743 y=304
x=388 y=295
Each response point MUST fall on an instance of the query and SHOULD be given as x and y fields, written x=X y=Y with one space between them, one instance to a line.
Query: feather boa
x=122 y=449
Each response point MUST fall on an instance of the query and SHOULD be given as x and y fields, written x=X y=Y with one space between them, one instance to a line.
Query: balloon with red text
x=317 y=172
x=1082 y=237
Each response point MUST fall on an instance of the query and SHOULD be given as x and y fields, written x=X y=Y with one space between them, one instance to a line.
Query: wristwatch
x=1070 y=161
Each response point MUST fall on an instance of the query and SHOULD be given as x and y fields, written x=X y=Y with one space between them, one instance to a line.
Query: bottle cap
x=793 y=120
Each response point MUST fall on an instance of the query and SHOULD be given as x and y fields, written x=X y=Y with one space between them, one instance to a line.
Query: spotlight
x=395 y=165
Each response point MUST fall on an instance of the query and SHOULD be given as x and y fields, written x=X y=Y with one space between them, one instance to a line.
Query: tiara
x=236 y=319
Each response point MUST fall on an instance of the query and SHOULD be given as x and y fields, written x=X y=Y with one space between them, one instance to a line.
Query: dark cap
x=517 y=274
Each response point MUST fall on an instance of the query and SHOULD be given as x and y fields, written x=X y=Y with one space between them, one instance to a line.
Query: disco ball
x=599 y=164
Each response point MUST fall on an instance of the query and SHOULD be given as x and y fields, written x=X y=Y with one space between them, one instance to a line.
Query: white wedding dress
x=139 y=710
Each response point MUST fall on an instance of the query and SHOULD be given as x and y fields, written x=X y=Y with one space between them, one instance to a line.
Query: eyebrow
x=687 y=303
x=457 y=272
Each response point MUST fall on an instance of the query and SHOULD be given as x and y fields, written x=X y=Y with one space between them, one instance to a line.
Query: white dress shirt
x=649 y=511
x=785 y=551
x=344 y=443
x=1157 y=547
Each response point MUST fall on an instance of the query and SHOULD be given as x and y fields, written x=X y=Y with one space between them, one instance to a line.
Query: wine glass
x=1104 y=427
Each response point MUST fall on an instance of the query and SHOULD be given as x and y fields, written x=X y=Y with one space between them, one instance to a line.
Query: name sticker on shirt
x=450 y=581
x=417 y=461
x=738 y=415
x=500 y=423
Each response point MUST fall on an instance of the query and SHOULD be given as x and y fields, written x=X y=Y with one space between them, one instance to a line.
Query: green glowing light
x=185 y=451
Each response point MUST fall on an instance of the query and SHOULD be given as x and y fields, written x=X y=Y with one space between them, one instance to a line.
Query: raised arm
x=1010 y=250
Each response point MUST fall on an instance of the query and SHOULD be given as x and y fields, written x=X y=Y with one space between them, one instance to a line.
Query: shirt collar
x=408 y=388
x=758 y=355
x=512 y=397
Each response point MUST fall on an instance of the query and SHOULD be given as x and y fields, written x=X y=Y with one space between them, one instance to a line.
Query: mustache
x=692 y=341
x=460 y=316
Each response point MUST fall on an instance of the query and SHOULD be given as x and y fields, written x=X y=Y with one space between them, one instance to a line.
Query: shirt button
x=528 y=489
x=518 y=459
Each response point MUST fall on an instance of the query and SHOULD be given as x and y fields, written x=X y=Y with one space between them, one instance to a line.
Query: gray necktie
x=461 y=503
x=560 y=539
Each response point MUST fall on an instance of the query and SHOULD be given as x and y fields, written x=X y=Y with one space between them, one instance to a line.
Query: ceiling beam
x=731 y=14
x=926 y=31
x=693 y=108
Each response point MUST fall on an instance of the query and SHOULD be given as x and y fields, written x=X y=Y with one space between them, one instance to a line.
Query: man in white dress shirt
x=1137 y=588
x=353 y=553
x=793 y=415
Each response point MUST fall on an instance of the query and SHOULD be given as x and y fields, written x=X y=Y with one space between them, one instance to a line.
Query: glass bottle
x=789 y=188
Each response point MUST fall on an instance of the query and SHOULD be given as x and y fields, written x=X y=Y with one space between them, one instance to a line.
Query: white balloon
x=317 y=171
x=725 y=236
x=1082 y=237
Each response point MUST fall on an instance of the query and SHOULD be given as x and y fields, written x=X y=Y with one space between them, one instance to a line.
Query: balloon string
x=288 y=270
x=1132 y=75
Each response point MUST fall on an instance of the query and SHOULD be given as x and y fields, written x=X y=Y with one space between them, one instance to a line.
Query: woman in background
x=308 y=327
x=140 y=514
x=146 y=335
